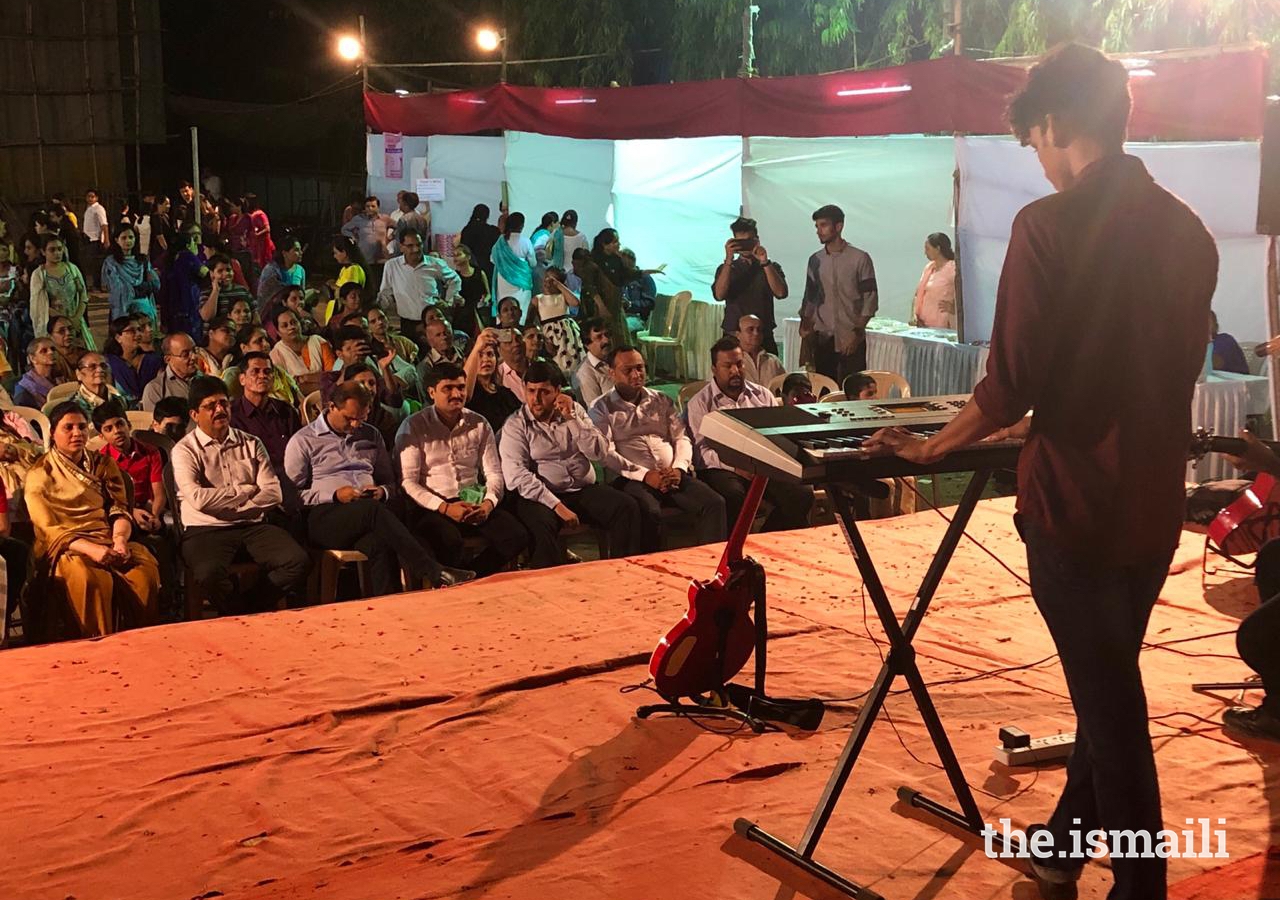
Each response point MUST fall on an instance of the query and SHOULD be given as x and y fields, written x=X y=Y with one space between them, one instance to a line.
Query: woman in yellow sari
x=80 y=511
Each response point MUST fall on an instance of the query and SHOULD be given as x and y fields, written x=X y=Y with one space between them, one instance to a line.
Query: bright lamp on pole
x=349 y=48
x=488 y=40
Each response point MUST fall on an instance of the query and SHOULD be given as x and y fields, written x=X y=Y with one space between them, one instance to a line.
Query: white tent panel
x=473 y=172
x=555 y=173
x=894 y=192
x=673 y=202
x=1218 y=180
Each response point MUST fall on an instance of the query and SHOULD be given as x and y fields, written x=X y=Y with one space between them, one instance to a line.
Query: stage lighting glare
x=488 y=40
x=863 y=92
x=349 y=48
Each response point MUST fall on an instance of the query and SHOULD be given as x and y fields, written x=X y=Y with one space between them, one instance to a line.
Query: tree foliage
x=663 y=40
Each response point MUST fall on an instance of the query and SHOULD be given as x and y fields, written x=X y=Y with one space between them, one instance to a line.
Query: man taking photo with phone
x=749 y=282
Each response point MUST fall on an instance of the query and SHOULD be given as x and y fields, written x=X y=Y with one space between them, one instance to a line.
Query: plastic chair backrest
x=39 y=422
x=680 y=304
x=310 y=407
x=139 y=420
x=62 y=392
x=687 y=392
x=833 y=397
x=660 y=317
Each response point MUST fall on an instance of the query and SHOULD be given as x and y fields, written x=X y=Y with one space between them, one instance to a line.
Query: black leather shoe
x=449 y=576
x=1251 y=722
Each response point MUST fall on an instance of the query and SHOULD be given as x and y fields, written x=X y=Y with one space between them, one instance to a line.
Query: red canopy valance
x=1208 y=97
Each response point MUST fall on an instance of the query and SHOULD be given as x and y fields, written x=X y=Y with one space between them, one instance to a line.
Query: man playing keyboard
x=1070 y=308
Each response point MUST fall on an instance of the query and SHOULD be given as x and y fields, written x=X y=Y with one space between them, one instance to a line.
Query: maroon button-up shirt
x=1101 y=326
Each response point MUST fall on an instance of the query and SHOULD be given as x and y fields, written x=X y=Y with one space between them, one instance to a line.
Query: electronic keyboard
x=822 y=442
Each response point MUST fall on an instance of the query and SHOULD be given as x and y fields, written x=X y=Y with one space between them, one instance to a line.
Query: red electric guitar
x=1253 y=518
x=715 y=638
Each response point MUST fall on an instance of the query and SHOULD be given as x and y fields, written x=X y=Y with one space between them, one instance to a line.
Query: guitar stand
x=900 y=661
x=749 y=705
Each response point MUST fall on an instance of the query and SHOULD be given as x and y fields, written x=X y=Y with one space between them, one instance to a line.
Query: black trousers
x=1097 y=616
x=700 y=501
x=17 y=562
x=371 y=527
x=596 y=504
x=503 y=535
x=209 y=552
x=792 y=503
x=1259 y=633
x=839 y=366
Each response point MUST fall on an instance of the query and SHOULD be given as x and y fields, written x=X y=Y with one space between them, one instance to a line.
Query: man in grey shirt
x=840 y=297
x=342 y=469
x=547 y=448
x=369 y=231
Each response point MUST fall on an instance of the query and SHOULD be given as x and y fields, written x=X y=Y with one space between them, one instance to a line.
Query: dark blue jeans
x=1097 y=616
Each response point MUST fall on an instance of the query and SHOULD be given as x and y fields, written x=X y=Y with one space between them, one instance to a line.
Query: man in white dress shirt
x=759 y=366
x=643 y=427
x=450 y=469
x=227 y=488
x=593 y=378
x=729 y=389
x=547 y=449
x=411 y=282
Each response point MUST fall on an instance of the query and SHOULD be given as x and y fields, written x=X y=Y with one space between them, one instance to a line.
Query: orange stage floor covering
x=478 y=742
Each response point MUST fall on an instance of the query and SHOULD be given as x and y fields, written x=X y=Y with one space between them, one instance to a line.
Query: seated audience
x=304 y=358
x=220 y=344
x=535 y=347
x=32 y=389
x=139 y=462
x=390 y=349
x=63 y=333
x=20 y=448
x=84 y=555
x=593 y=378
x=450 y=469
x=381 y=330
x=860 y=386
x=253 y=339
x=241 y=314
x=226 y=489
x=486 y=392
x=174 y=379
x=353 y=348
x=797 y=389
x=94 y=376
x=547 y=449
x=257 y=413
x=514 y=361
x=170 y=418
x=132 y=368
x=340 y=465
x=349 y=300
x=642 y=426
x=382 y=416
x=759 y=366
x=17 y=559
x=1227 y=355
x=224 y=292
x=437 y=348
x=729 y=389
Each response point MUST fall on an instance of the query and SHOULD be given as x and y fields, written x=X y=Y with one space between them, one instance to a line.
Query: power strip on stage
x=1017 y=748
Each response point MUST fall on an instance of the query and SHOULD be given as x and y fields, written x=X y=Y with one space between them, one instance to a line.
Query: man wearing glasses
x=226 y=489
x=174 y=379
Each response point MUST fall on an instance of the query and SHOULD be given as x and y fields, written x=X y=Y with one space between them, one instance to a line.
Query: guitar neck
x=1235 y=446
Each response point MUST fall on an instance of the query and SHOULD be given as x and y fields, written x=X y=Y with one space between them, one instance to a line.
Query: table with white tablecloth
x=929 y=358
x=1222 y=404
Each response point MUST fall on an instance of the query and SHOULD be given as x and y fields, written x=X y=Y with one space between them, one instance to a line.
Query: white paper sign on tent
x=431 y=189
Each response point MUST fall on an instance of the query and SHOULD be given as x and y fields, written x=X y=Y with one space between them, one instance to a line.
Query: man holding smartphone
x=748 y=281
x=344 y=474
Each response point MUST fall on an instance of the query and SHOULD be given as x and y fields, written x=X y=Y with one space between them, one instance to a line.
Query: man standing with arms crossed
x=1100 y=486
